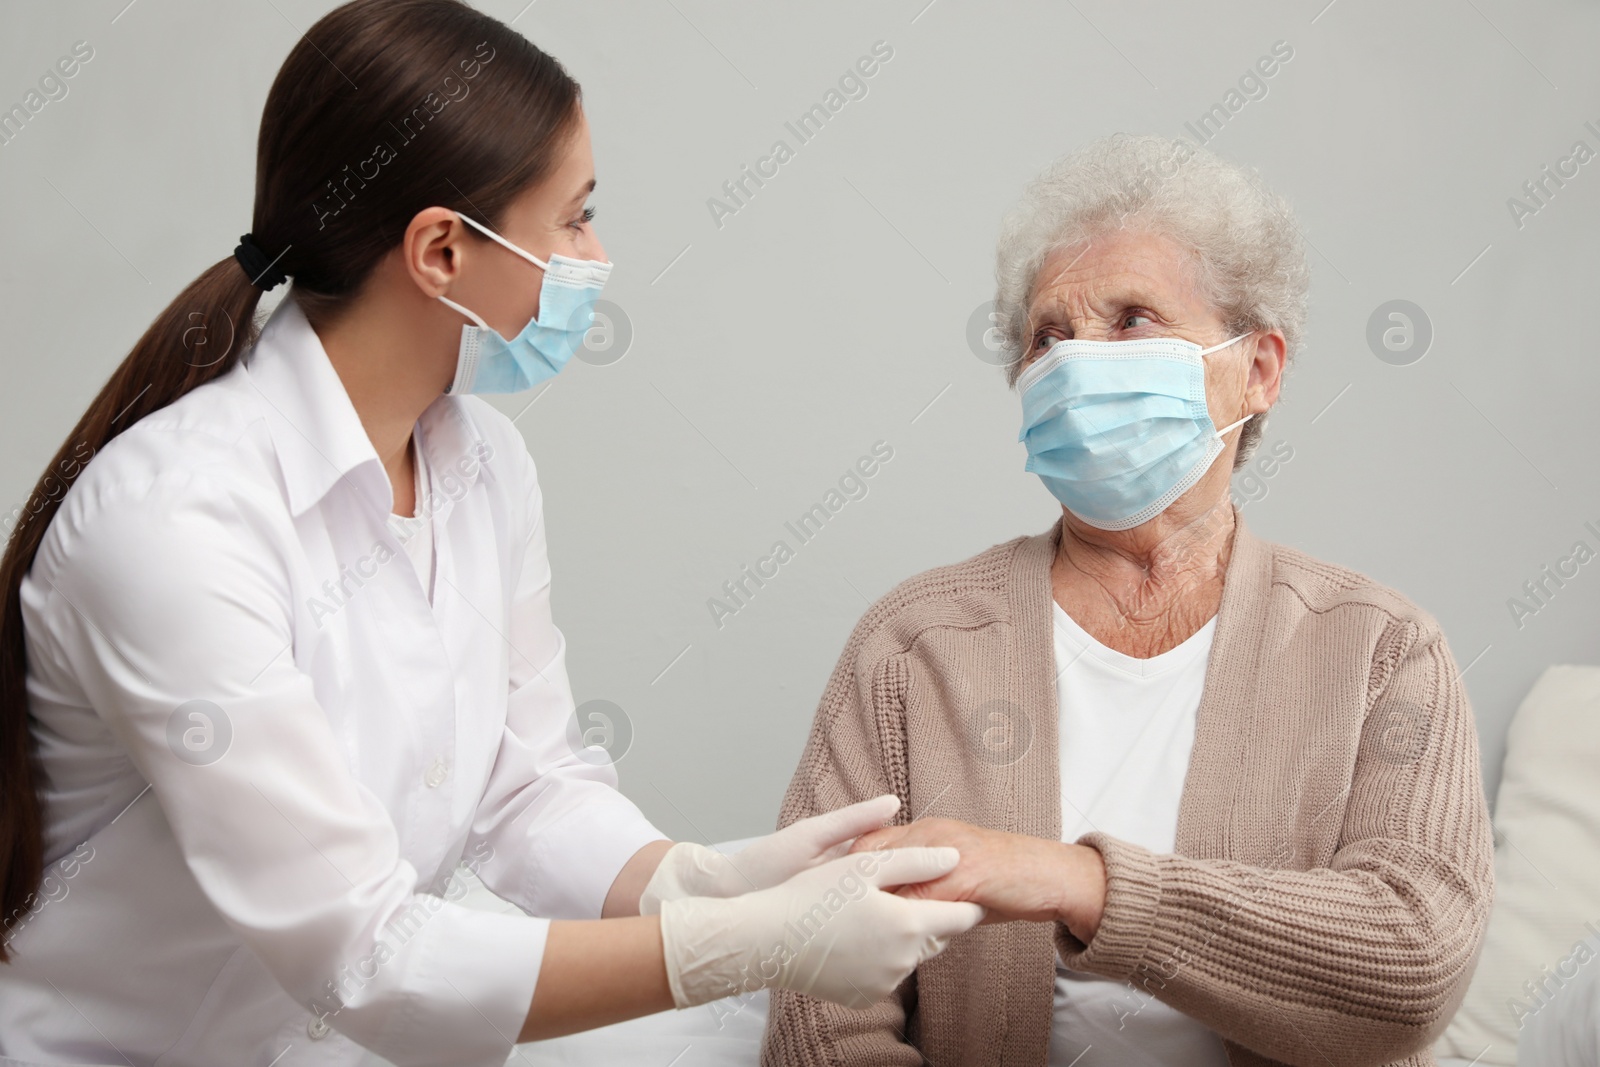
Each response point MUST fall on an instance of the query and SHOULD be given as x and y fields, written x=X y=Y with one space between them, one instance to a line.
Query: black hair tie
x=262 y=269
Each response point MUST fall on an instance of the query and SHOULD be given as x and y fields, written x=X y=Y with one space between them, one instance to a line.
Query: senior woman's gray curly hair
x=1250 y=258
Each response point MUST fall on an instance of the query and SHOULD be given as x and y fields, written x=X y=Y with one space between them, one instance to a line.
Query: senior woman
x=1220 y=799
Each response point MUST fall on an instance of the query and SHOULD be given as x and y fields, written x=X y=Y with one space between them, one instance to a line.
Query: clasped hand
x=1012 y=876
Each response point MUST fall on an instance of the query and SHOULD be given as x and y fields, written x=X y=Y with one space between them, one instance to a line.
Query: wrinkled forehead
x=1107 y=273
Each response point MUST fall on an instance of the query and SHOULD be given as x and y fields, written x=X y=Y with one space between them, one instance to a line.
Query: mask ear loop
x=473 y=315
x=1232 y=425
x=1207 y=351
x=529 y=256
x=1225 y=344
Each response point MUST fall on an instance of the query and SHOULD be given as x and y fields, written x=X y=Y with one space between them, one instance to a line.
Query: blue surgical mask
x=1118 y=430
x=488 y=363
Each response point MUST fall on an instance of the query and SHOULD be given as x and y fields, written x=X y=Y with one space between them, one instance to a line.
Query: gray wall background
x=832 y=311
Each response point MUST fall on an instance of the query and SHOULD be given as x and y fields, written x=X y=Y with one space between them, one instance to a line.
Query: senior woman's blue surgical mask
x=1118 y=430
x=488 y=363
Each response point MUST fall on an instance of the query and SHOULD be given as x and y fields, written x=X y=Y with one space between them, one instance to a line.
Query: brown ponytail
x=382 y=109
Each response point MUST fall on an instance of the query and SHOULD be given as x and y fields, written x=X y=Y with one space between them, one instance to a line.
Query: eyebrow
x=1139 y=294
x=1045 y=307
x=583 y=194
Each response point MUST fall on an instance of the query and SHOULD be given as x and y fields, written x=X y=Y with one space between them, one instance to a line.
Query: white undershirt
x=415 y=531
x=1127 y=726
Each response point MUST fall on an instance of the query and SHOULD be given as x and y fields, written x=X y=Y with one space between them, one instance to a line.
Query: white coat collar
x=315 y=430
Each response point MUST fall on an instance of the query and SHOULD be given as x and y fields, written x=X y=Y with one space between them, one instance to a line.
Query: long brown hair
x=382 y=109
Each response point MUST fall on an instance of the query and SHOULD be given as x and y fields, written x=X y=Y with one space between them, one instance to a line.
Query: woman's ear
x=434 y=247
x=1266 y=370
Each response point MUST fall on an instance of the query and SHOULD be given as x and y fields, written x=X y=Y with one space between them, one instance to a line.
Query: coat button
x=436 y=774
x=318 y=1028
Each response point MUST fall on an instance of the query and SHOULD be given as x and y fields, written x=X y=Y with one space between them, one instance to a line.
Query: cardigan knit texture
x=1332 y=874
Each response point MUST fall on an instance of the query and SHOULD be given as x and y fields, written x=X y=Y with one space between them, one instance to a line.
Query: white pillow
x=1566 y=1032
x=1547 y=866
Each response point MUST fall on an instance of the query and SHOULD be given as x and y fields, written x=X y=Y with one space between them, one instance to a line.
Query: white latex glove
x=830 y=931
x=691 y=870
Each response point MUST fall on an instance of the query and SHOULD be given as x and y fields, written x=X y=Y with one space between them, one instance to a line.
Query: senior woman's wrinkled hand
x=1013 y=876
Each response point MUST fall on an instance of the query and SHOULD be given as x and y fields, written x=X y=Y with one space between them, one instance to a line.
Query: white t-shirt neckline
x=1082 y=642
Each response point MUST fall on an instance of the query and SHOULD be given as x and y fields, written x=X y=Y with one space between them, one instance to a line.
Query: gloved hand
x=830 y=931
x=691 y=870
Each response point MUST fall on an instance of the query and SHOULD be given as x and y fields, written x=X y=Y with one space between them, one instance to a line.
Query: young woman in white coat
x=277 y=653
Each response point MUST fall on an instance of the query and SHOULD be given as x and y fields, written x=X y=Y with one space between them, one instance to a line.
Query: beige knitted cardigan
x=1332 y=874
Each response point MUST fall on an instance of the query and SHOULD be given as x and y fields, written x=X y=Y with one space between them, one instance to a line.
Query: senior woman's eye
x=1133 y=320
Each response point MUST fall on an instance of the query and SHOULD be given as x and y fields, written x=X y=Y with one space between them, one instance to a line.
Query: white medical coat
x=265 y=754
